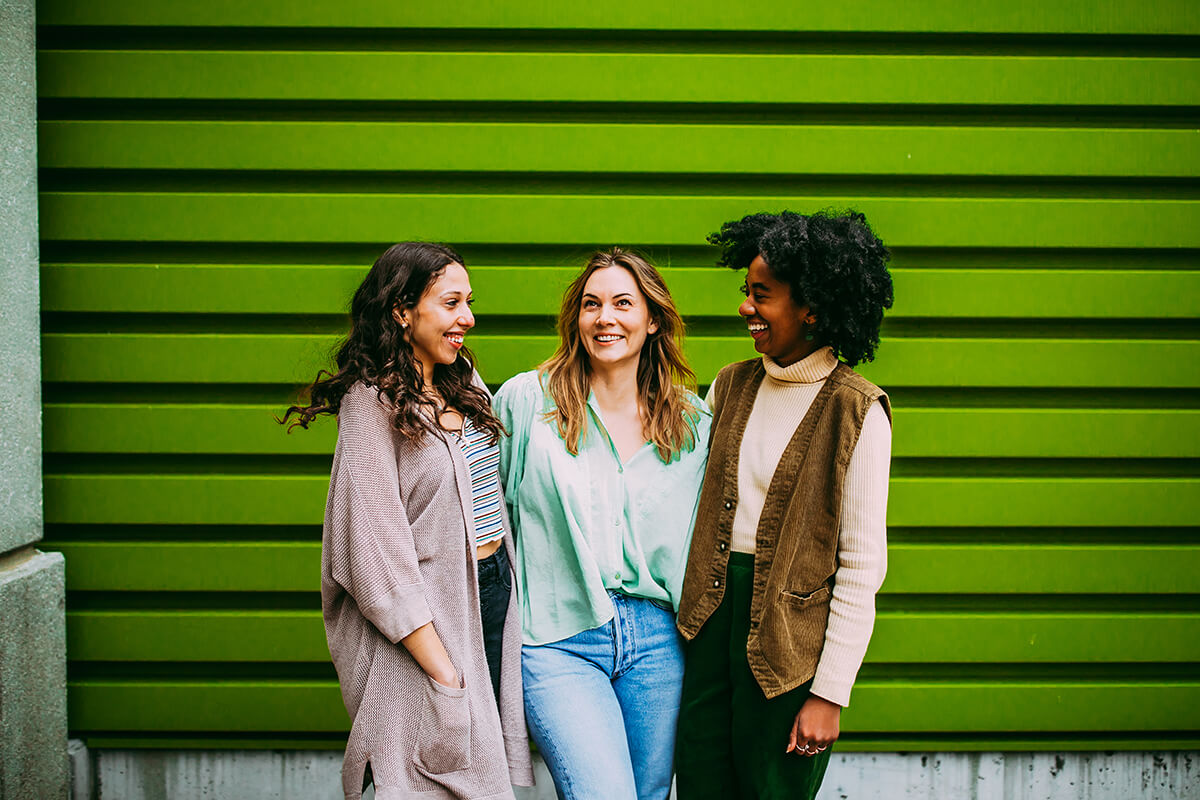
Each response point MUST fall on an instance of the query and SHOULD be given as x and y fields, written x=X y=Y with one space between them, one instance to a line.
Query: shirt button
x=716 y=584
x=721 y=546
x=616 y=522
x=728 y=505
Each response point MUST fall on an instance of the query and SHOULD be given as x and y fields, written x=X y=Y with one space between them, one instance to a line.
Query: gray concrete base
x=33 y=676
x=1012 y=776
x=262 y=775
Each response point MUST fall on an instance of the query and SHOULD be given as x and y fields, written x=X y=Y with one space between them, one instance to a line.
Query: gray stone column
x=33 y=699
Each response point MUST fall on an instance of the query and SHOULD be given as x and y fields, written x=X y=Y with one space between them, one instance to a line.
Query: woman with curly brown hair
x=790 y=543
x=601 y=475
x=416 y=586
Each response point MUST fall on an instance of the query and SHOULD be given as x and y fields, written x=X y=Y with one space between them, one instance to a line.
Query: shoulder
x=855 y=386
x=738 y=368
x=732 y=374
x=522 y=389
x=844 y=375
x=363 y=400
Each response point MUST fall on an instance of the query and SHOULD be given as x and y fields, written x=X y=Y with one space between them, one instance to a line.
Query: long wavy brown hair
x=664 y=379
x=377 y=353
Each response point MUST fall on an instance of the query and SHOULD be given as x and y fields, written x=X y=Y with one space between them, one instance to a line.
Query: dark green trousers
x=731 y=739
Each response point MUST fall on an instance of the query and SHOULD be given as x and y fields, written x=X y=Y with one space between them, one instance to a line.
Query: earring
x=808 y=331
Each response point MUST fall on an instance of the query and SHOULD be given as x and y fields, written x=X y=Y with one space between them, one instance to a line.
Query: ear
x=653 y=327
x=400 y=316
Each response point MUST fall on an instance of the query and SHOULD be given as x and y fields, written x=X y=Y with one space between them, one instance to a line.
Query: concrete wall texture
x=33 y=674
x=20 y=349
x=313 y=775
x=33 y=677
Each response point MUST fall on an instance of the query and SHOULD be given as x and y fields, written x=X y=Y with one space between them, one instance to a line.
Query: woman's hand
x=431 y=654
x=816 y=726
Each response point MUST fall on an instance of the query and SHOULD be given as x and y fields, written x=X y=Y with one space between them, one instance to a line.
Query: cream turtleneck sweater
x=782 y=401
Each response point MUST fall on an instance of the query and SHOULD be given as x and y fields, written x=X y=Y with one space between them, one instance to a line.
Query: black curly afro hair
x=833 y=262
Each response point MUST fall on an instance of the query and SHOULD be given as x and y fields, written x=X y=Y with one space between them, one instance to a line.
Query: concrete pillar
x=33 y=700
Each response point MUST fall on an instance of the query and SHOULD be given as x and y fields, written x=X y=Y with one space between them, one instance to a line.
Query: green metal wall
x=216 y=177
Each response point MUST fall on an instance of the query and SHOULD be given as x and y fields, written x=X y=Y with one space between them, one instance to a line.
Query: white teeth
x=455 y=337
x=607 y=338
x=757 y=328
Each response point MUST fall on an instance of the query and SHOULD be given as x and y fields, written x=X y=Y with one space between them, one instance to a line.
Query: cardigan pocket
x=444 y=733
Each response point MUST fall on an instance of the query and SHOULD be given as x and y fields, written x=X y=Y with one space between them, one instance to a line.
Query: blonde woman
x=601 y=474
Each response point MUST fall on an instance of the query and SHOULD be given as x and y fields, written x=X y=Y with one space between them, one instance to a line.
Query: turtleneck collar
x=813 y=368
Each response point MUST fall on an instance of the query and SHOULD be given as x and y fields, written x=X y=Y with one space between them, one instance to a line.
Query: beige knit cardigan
x=398 y=552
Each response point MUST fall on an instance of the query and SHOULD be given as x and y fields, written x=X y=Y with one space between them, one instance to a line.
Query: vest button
x=721 y=546
x=728 y=505
x=716 y=584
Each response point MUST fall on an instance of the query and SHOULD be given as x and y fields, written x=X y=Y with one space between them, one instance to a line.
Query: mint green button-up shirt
x=588 y=524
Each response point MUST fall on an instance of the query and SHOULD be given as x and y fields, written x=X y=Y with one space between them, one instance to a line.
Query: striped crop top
x=483 y=462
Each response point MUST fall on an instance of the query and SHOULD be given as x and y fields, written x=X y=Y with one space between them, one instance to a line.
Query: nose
x=606 y=315
x=747 y=309
x=466 y=318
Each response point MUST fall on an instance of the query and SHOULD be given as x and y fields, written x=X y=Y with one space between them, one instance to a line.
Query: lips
x=607 y=338
x=455 y=338
x=757 y=329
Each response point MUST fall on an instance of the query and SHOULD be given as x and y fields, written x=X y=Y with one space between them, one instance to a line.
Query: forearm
x=427 y=649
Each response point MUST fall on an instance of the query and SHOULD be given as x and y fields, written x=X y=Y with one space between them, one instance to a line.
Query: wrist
x=446 y=676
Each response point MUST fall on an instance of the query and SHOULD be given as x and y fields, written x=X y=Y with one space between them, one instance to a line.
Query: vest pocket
x=792 y=632
x=803 y=599
x=444 y=733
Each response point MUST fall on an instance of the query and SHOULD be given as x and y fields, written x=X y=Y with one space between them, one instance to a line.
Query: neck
x=615 y=385
x=806 y=349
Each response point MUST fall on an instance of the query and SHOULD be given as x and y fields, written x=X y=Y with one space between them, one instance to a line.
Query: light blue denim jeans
x=602 y=705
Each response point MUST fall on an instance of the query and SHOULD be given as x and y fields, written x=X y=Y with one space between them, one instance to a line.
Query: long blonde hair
x=664 y=378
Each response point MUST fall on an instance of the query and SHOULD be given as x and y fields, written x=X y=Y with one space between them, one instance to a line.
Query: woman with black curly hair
x=423 y=627
x=790 y=543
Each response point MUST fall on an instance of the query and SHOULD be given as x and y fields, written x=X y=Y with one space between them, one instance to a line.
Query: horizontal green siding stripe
x=942 y=638
x=966 y=293
x=917 y=432
x=942 y=569
x=557 y=219
x=255 y=358
x=257 y=499
x=940 y=16
x=900 y=706
x=618 y=78
x=589 y=148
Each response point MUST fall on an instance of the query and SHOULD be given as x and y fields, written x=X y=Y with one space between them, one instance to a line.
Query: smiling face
x=438 y=322
x=614 y=317
x=775 y=320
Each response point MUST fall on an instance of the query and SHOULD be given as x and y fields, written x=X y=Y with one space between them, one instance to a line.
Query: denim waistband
x=495 y=564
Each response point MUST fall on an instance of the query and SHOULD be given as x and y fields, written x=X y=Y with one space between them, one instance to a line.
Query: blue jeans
x=602 y=705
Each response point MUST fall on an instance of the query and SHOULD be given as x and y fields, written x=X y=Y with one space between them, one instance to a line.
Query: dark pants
x=495 y=587
x=732 y=739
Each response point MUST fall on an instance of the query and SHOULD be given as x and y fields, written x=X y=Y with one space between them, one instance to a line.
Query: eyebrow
x=615 y=296
x=762 y=286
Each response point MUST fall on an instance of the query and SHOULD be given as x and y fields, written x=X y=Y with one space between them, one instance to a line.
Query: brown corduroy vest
x=796 y=543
